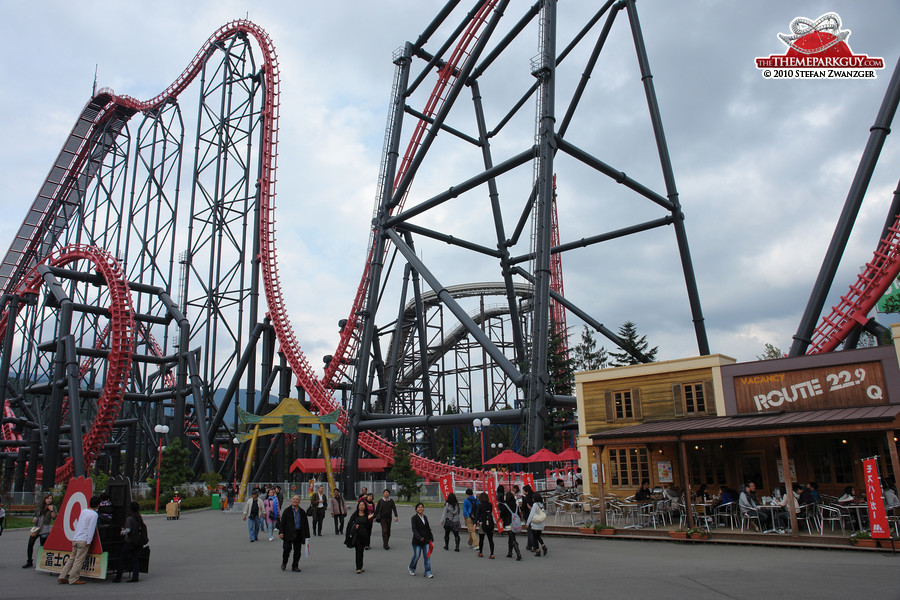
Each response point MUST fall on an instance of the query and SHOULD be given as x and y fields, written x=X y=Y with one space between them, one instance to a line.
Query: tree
x=560 y=367
x=402 y=473
x=771 y=351
x=586 y=355
x=632 y=342
x=175 y=468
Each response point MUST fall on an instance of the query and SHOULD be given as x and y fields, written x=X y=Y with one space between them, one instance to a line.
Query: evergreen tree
x=560 y=367
x=175 y=468
x=632 y=341
x=586 y=355
x=770 y=352
x=402 y=473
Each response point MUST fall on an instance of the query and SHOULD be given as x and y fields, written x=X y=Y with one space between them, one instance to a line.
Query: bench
x=22 y=509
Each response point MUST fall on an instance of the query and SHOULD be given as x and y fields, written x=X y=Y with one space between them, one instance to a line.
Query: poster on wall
x=664 y=471
x=594 y=472
x=780 y=469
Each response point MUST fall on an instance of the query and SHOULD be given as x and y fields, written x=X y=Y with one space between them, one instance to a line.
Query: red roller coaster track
x=318 y=390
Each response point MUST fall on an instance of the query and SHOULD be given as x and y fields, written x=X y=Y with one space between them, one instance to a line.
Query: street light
x=479 y=425
x=160 y=430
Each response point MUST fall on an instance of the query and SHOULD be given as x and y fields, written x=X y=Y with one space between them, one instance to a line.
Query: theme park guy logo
x=818 y=49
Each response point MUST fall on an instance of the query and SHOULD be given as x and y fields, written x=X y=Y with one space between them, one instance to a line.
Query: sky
x=762 y=166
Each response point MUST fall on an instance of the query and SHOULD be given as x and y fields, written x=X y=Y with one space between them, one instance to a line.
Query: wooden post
x=892 y=450
x=597 y=451
x=786 y=474
x=685 y=483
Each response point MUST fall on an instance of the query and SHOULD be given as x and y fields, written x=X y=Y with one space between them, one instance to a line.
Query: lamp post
x=479 y=425
x=160 y=430
x=498 y=447
x=234 y=445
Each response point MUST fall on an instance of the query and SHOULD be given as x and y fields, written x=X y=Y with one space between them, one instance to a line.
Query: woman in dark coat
x=292 y=536
x=508 y=508
x=422 y=539
x=484 y=516
x=359 y=531
x=129 y=557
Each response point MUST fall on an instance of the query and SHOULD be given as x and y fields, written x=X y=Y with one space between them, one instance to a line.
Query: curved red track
x=318 y=390
x=121 y=342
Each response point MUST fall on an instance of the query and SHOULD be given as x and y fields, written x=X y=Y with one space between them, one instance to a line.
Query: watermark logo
x=818 y=50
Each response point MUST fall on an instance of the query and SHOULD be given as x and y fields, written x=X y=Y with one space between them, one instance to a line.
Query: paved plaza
x=206 y=554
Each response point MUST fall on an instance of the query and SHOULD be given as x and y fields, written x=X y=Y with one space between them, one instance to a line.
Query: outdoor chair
x=748 y=517
x=830 y=514
x=807 y=513
x=725 y=514
x=703 y=517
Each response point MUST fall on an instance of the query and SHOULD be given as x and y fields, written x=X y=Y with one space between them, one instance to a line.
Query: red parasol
x=543 y=455
x=570 y=454
x=507 y=457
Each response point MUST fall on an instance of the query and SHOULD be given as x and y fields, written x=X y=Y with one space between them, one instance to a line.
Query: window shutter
x=636 y=408
x=709 y=397
x=677 y=400
x=610 y=409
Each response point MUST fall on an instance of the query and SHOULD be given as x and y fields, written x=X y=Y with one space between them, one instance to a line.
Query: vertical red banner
x=445 y=482
x=528 y=479
x=875 y=500
x=492 y=496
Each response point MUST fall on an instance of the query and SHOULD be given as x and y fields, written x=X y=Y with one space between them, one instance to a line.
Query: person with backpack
x=450 y=521
x=484 y=518
x=536 y=519
x=470 y=505
x=135 y=532
x=512 y=523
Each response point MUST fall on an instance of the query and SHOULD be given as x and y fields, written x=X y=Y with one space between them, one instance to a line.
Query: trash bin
x=215 y=502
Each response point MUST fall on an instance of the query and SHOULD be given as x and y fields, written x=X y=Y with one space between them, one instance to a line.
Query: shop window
x=629 y=466
x=831 y=462
x=623 y=405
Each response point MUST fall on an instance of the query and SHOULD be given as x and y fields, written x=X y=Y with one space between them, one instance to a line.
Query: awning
x=835 y=420
x=317 y=465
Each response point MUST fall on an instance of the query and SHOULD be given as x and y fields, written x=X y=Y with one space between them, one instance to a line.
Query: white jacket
x=249 y=504
x=530 y=522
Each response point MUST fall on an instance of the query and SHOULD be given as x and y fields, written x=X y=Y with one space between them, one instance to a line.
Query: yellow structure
x=288 y=417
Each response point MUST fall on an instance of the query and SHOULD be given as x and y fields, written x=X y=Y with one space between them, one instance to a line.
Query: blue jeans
x=270 y=525
x=253 y=527
x=423 y=550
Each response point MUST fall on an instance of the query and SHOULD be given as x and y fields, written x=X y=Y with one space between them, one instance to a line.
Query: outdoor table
x=773 y=511
x=858 y=508
x=632 y=510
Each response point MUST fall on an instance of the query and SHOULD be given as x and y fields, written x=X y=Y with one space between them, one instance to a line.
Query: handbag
x=454 y=526
x=539 y=516
x=34 y=531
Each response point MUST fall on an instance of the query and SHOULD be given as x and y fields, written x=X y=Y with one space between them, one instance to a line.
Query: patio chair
x=748 y=517
x=830 y=514
x=725 y=514
x=703 y=517
x=807 y=513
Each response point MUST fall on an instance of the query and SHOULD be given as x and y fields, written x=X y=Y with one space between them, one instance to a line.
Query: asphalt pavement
x=207 y=554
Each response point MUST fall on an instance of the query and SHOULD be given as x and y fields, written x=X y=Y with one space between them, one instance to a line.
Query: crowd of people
x=520 y=511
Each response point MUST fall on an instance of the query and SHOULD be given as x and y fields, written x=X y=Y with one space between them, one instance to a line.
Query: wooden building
x=710 y=420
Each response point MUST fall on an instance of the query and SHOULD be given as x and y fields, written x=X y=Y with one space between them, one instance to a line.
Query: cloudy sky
x=762 y=167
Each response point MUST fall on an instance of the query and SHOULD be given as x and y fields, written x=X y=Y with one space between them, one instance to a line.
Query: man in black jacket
x=383 y=512
x=293 y=529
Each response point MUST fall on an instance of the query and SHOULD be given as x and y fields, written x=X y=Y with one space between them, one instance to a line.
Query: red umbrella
x=570 y=454
x=543 y=455
x=507 y=457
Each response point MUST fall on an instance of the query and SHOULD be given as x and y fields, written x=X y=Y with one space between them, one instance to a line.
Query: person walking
x=359 y=530
x=271 y=513
x=43 y=523
x=317 y=505
x=535 y=523
x=338 y=511
x=293 y=530
x=135 y=532
x=383 y=512
x=450 y=521
x=509 y=515
x=484 y=519
x=422 y=536
x=470 y=504
x=229 y=494
x=85 y=527
x=253 y=511
x=527 y=502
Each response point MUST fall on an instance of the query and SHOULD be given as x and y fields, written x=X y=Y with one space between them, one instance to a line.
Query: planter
x=887 y=544
x=866 y=543
x=678 y=535
x=605 y=531
x=586 y=530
